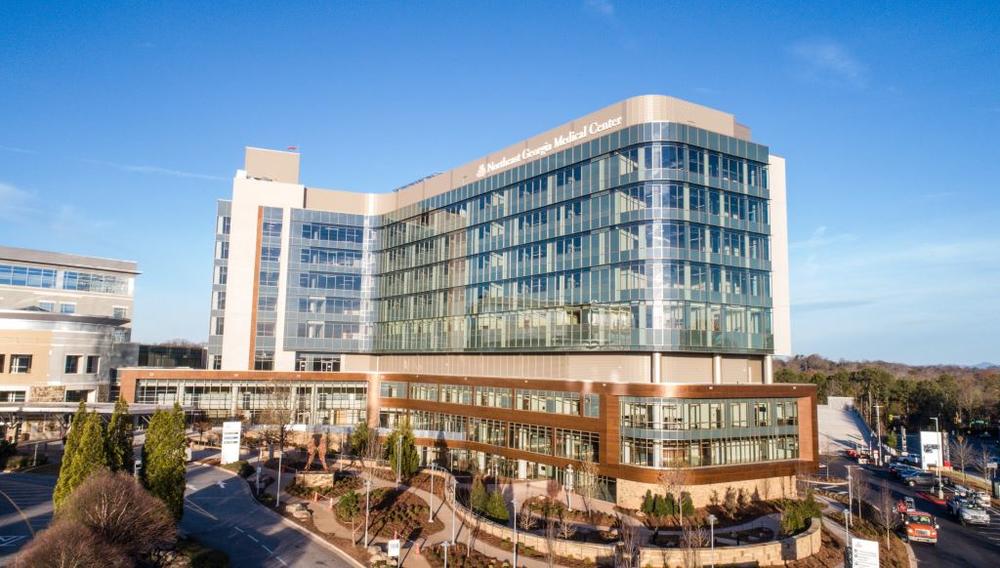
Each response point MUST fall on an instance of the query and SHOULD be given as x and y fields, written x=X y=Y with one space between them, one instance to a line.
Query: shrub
x=647 y=503
x=687 y=506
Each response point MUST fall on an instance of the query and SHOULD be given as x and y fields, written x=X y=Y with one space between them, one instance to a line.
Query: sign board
x=864 y=553
x=231 y=441
x=393 y=550
x=930 y=449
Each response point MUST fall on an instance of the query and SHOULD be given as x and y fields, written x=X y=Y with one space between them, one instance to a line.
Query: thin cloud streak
x=828 y=62
x=155 y=170
x=17 y=150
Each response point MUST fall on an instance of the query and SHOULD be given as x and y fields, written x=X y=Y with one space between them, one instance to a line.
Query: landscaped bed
x=458 y=558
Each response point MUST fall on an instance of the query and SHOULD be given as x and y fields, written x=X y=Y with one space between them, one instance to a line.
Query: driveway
x=220 y=512
x=25 y=508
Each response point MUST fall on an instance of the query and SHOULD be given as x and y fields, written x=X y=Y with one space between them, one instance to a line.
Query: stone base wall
x=47 y=394
x=630 y=493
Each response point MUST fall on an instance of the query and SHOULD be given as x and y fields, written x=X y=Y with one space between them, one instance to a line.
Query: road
x=220 y=512
x=25 y=508
x=958 y=546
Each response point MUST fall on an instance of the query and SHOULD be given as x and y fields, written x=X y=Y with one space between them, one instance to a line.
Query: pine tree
x=478 y=496
x=89 y=455
x=120 y=453
x=163 y=465
x=63 y=488
x=407 y=450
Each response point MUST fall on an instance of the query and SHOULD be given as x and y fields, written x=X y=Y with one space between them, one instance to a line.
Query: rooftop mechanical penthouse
x=612 y=290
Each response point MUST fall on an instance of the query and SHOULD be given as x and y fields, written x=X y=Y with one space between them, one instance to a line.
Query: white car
x=969 y=514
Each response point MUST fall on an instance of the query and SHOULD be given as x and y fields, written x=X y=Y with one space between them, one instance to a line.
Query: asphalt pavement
x=220 y=512
x=25 y=508
x=958 y=546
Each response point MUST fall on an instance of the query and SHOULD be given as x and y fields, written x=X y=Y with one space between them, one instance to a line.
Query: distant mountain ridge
x=818 y=363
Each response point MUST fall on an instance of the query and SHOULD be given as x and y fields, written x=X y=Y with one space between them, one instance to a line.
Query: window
x=218 y=325
x=224 y=225
x=216 y=362
x=11 y=396
x=72 y=364
x=220 y=300
x=592 y=405
x=222 y=250
x=263 y=361
x=270 y=254
x=20 y=364
x=268 y=278
x=67 y=308
x=271 y=228
x=221 y=275
x=265 y=329
x=494 y=397
x=267 y=303
x=391 y=389
x=335 y=233
x=47 y=306
x=99 y=283
x=423 y=391
x=119 y=312
x=93 y=364
x=11 y=275
x=2 y=360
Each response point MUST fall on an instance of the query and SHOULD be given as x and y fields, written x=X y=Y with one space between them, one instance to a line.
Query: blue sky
x=121 y=124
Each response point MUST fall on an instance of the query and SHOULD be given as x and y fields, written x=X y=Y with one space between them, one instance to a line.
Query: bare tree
x=201 y=426
x=587 y=483
x=983 y=458
x=963 y=454
x=566 y=528
x=628 y=547
x=275 y=415
x=71 y=545
x=693 y=538
x=551 y=529
x=672 y=482
x=525 y=520
x=886 y=514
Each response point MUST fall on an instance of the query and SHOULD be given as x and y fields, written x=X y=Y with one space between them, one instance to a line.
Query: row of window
x=82 y=364
x=544 y=440
x=531 y=400
x=11 y=275
x=332 y=233
x=689 y=414
x=705 y=453
x=26 y=276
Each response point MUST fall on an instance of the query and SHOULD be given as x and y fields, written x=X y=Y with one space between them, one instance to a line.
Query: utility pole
x=850 y=508
x=454 y=503
x=430 y=514
x=368 y=490
x=878 y=430
x=940 y=456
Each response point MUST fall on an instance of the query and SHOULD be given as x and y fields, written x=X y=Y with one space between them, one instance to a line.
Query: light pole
x=454 y=502
x=446 y=544
x=878 y=432
x=368 y=490
x=568 y=486
x=277 y=489
x=711 y=524
x=430 y=514
x=940 y=453
x=850 y=508
x=399 y=458
x=513 y=503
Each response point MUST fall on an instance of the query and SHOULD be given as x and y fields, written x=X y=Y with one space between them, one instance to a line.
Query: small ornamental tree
x=478 y=496
x=359 y=439
x=164 y=451
x=402 y=451
x=62 y=489
x=119 y=443
x=496 y=508
x=89 y=454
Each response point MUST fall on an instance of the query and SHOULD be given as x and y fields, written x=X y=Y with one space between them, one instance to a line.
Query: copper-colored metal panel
x=256 y=287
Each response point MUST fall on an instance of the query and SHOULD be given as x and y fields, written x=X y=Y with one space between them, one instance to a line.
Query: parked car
x=920 y=527
x=922 y=479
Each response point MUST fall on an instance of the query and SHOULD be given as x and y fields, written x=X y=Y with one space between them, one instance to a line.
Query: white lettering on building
x=557 y=142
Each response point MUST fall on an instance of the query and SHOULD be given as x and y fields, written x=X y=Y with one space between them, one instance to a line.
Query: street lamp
x=878 y=433
x=445 y=544
x=430 y=514
x=368 y=490
x=513 y=503
x=568 y=486
x=454 y=503
x=940 y=454
x=711 y=524
x=399 y=458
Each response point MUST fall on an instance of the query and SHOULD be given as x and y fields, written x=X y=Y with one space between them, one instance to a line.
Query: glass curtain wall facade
x=656 y=237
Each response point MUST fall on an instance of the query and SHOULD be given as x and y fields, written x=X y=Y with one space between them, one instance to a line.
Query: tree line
x=963 y=398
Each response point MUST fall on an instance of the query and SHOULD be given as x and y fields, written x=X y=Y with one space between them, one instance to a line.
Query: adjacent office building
x=611 y=290
x=63 y=318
